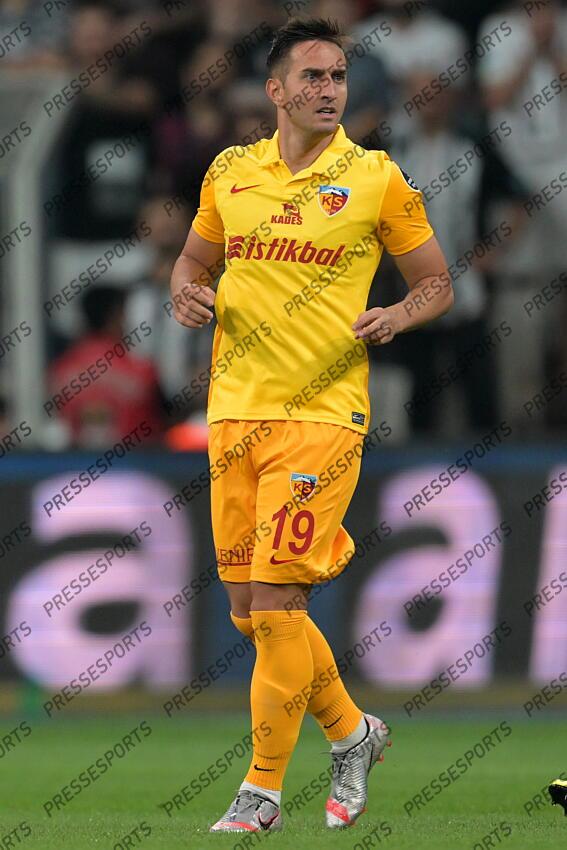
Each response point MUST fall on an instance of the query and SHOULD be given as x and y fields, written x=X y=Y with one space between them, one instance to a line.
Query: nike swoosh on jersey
x=235 y=191
x=275 y=561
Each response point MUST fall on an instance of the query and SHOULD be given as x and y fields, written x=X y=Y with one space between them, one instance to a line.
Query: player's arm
x=406 y=234
x=200 y=263
x=192 y=280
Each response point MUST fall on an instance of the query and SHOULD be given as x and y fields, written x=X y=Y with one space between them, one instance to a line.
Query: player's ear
x=274 y=90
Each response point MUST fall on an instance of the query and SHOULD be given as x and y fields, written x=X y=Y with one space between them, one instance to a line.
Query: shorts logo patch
x=358 y=418
x=410 y=181
x=333 y=199
x=302 y=485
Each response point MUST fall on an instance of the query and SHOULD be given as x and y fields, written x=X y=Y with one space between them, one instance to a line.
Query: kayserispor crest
x=333 y=199
x=302 y=485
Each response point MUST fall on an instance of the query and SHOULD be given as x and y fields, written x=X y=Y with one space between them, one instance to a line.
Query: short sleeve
x=208 y=223
x=403 y=223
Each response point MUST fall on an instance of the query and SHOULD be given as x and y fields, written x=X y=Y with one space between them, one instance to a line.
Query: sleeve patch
x=410 y=181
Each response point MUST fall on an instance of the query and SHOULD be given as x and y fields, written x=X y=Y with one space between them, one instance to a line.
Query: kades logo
x=283 y=250
x=291 y=215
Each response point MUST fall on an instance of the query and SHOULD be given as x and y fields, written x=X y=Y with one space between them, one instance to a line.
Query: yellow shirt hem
x=268 y=417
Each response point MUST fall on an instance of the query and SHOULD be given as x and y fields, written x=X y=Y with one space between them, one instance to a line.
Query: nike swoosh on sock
x=333 y=723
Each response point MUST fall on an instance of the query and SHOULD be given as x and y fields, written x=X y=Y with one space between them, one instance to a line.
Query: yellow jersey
x=301 y=251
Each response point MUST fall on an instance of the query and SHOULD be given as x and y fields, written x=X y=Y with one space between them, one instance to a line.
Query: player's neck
x=300 y=149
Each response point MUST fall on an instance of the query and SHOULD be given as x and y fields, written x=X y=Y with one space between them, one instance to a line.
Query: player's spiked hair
x=297 y=30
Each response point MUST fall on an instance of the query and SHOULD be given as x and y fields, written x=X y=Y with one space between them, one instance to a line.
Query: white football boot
x=349 y=789
x=249 y=812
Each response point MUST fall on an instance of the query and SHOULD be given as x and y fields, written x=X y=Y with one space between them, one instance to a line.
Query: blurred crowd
x=469 y=101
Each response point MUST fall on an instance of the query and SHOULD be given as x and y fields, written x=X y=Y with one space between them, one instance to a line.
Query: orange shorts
x=279 y=492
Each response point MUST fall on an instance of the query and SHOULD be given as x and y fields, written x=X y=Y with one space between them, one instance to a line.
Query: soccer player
x=301 y=220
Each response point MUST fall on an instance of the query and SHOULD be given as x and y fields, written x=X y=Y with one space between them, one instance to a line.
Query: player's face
x=314 y=90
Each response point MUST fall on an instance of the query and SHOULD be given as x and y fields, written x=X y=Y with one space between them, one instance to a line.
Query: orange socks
x=329 y=703
x=284 y=667
x=327 y=698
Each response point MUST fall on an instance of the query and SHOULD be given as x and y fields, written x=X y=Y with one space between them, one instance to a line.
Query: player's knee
x=294 y=603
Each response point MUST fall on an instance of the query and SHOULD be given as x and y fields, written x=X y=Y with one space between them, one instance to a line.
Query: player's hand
x=191 y=305
x=377 y=326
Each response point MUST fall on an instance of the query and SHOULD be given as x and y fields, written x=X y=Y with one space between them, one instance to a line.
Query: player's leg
x=233 y=514
x=240 y=597
x=306 y=546
x=236 y=531
x=283 y=668
x=282 y=674
x=329 y=702
x=237 y=528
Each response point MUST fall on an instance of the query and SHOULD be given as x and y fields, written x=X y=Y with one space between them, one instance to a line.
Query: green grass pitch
x=491 y=793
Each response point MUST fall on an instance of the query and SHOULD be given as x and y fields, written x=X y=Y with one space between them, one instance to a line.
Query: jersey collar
x=325 y=160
